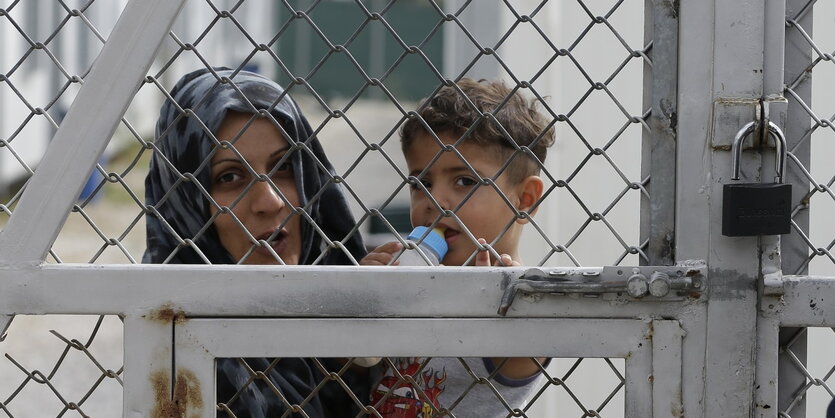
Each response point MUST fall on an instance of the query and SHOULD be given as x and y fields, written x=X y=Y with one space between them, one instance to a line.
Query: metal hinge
x=686 y=278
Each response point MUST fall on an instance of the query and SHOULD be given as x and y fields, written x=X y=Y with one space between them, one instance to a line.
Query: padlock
x=751 y=209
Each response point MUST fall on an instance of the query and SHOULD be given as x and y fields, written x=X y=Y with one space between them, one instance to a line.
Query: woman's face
x=259 y=207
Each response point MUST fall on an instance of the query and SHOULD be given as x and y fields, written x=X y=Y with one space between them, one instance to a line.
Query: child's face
x=485 y=214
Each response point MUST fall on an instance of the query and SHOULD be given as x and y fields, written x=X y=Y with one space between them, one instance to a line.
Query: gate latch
x=656 y=282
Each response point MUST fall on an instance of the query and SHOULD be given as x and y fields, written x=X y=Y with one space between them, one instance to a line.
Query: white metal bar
x=693 y=352
x=85 y=131
x=794 y=248
x=269 y=291
x=693 y=231
x=694 y=100
x=662 y=141
x=196 y=366
x=638 y=385
x=774 y=41
x=724 y=50
x=768 y=329
x=148 y=366
x=200 y=340
x=808 y=301
x=666 y=369
x=308 y=337
x=768 y=344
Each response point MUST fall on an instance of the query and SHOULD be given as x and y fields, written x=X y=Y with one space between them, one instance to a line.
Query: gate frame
x=652 y=350
x=734 y=375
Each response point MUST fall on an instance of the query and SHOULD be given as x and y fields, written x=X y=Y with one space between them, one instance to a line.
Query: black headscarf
x=176 y=187
x=197 y=105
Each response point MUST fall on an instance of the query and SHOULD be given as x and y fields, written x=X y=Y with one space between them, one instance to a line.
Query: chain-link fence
x=806 y=353
x=258 y=183
x=58 y=365
x=357 y=70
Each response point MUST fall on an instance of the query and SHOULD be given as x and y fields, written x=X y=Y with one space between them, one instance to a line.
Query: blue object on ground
x=92 y=182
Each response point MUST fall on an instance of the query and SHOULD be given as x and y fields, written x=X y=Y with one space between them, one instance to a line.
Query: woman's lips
x=278 y=244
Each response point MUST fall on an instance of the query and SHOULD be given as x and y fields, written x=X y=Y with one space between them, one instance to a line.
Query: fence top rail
x=298 y=291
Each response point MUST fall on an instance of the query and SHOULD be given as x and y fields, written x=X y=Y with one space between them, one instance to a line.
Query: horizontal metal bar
x=807 y=301
x=199 y=341
x=299 y=291
x=440 y=337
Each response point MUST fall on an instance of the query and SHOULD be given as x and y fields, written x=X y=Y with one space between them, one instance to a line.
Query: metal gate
x=703 y=324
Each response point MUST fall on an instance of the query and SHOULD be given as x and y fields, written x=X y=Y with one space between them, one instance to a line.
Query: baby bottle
x=433 y=246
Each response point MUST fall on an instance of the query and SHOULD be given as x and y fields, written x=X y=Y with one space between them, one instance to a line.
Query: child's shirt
x=442 y=382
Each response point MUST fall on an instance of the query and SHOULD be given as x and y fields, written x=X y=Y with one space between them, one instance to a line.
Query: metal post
x=662 y=142
x=794 y=249
x=148 y=365
x=774 y=108
x=721 y=44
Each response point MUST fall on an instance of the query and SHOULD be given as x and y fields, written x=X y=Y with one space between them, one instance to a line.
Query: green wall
x=375 y=48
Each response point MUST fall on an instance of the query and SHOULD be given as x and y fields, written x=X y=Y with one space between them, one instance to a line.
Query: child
x=493 y=213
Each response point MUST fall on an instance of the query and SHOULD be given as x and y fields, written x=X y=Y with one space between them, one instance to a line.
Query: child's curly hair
x=448 y=111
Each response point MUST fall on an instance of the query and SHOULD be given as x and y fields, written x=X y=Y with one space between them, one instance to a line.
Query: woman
x=216 y=144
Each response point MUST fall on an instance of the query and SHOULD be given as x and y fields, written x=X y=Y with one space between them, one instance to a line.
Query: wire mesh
x=807 y=350
x=54 y=365
x=357 y=69
x=599 y=121
x=74 y=369
x=414 y=387
x=799 y=90
x=818 y=367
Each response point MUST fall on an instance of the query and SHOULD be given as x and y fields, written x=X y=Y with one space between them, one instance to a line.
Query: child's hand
x=382 y=255
x=483 y=258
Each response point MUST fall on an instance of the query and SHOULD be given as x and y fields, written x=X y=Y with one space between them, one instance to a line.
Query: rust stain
x=187 y=393
x=166 y=313
x=677 y=410
x=187 y=401
x=162 y=387
x=692 y=273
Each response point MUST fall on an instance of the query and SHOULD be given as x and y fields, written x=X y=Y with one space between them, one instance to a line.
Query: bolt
x=659 y=284
x=636 y=285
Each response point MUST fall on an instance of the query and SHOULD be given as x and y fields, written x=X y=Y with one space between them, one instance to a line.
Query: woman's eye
x=228 y=177
x=466 y=181
x=284 y=169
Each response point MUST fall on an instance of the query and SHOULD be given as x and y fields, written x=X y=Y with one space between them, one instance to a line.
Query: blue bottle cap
x=433 y=240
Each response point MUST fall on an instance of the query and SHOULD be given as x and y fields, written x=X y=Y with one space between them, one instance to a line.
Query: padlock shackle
x=779 y=145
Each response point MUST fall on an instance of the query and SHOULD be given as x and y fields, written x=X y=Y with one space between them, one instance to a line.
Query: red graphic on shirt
x=405 y=400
